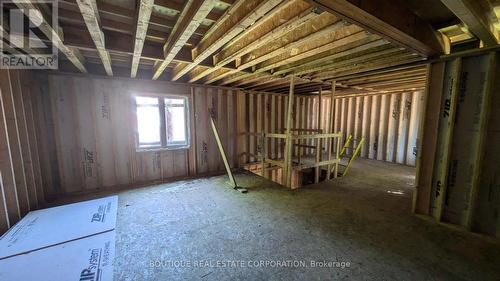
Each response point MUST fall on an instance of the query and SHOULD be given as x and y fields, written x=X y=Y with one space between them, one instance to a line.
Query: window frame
x=163 y=123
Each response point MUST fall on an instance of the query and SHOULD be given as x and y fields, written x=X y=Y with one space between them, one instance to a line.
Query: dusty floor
x=180 y=231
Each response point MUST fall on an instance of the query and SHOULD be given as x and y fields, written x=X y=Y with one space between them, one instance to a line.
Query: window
x=162 y=122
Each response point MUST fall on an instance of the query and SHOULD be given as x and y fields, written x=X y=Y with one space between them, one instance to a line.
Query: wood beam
x=145 y=9
x=46 y=29
x=473 y=15
x=191 y=17
x=90 y=15
x=236 y=20
x=390 y=20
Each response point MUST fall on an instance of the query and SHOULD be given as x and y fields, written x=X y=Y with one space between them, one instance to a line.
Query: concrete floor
x=179 y=231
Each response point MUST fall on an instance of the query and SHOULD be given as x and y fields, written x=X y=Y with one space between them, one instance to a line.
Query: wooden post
x=263 y=153
x=427 y=137
x=445 y=134
x=318 y=140
x=337 y=156
x=223 y=155
x=330 y=130
x=287 y=171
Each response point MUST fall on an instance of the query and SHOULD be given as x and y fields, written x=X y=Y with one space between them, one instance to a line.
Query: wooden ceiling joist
x=244 y=43
x=473 y=15
x=177 y=7
x=370 y=66
x=120 y=44
x=237 y=21
x=72 y=55
x=285 y=48
x=90 y=14
x=190 y=18
x=274 y=63
x=325 y=62
x=145 y=9
x=353 y=60
x=389 y=19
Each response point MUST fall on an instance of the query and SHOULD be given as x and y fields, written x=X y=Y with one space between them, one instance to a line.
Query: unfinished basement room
x=249 y=140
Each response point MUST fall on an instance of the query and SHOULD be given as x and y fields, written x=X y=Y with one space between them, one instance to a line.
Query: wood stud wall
x=93 y=124
x=389 y=123
x=20 y=170
x=457 y=178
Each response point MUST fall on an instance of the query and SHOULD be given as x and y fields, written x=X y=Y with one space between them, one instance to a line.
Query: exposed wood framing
x=446 y=125
x=287 y=172
x=232 y=51
x=473 y=15
x=46 y=28
x=143 y=17
x=229 y=27
x=90 y=14
x=191 y=17
x=389 y=20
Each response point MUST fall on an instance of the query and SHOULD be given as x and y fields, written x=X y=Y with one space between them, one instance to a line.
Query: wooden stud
x=287 y=171
x=223 y=154
x=14 y=145
x=318 y=141
x=445 y=133
x=330 y=129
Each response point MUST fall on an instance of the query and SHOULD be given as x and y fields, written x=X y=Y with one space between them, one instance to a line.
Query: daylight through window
x=162 y=122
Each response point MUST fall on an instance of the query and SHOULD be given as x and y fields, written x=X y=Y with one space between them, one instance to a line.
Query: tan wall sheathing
x=94 y=133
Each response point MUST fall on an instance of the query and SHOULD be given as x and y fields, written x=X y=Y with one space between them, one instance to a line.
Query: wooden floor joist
x=143 y=16
x=90 y=13
x=238 y=49
x=224 y=33
x=46 y=28
x=190 y=19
